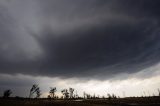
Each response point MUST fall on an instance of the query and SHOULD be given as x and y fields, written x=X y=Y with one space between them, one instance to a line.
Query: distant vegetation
x=35 y=90
x=71 y=98
x=70 y=94
x=7 y=93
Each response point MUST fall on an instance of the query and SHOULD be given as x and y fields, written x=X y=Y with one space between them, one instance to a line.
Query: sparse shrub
x=7 y=93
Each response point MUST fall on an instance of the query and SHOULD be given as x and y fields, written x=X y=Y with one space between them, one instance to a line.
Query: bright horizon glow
x=143 y=83
x=130 y=86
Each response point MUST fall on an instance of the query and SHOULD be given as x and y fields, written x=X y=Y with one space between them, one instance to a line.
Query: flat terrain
x=147 y=101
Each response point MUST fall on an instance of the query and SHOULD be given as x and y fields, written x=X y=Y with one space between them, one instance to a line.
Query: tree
x=84 y=95
x=35 y=90
x=158 y=92
x=49 y=97
x=52 y=92
x=71 y=90
x=38 y=93
x=88 y=96
x=7 y=93
x=76 y=95
x=109 y=96
x=65 y=93
x=114 y=96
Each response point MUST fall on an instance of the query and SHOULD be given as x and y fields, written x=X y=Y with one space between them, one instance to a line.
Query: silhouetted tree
x=84 y=95
x=158 y=92
x=109 y=96
x=103 y=97
x=94 y=96
x=52 y=92
x=76 y=95
x=65 y=93
x=35 y=90
x=38 y=93
x=7 y=93
x=49 y=97
x=114 y=96
x=71 y=90
x=88 y=96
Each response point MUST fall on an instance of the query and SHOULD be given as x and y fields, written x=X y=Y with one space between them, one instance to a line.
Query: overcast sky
x=101 y=46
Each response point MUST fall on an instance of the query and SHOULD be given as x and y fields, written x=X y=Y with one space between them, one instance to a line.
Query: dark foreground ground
x=147 y=101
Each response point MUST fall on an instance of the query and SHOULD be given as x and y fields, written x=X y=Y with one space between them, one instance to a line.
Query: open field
x=145 y=101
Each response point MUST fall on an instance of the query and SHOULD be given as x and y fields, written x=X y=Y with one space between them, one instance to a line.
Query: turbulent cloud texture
x=78 y=38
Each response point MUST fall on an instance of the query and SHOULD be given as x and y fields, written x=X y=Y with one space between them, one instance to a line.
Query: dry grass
x=115 y=102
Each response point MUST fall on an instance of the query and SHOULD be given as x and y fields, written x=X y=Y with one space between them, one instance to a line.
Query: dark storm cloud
x=79 y=38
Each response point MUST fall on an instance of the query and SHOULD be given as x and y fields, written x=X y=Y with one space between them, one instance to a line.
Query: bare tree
x=7 y=93
x=158 y=92
x=109 y=96
x=35 y=90
x=52 y=92
x=84 y=95
x=114 y=96
x=71 y=90
x=88 y=96
x=65 y=93
x=76 y=95
x=38 y=93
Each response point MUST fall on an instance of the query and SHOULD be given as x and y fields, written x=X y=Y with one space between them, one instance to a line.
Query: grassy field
x=147 y=101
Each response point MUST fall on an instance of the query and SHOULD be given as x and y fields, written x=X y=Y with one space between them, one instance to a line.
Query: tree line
x=70 y=93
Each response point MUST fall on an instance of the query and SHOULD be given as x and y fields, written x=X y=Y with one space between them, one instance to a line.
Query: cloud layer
x=78 y=38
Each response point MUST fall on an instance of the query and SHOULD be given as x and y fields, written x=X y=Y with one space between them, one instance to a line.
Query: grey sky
x=93 y=39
